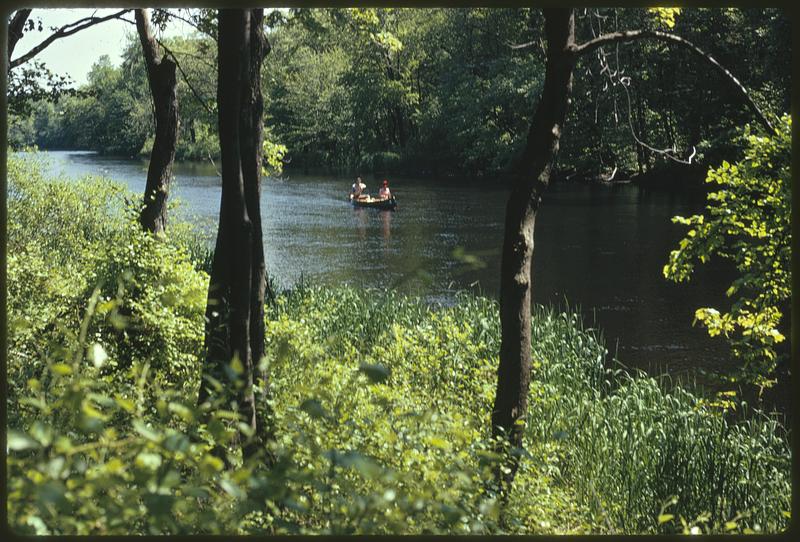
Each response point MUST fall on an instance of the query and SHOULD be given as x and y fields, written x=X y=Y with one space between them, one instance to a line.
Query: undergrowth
x=381 y=405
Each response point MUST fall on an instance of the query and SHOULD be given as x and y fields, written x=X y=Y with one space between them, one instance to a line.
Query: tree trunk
x=16 y=27
x=228 y=309
x=235 y=310
x=252 y=137
x=532 y=177
x=163 y=87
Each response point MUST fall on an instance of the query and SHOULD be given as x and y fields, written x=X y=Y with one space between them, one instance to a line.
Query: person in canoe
x=358 y=190
x=384 y=192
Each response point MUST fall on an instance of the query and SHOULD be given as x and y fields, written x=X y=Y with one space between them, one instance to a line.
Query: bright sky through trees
x=75 y=54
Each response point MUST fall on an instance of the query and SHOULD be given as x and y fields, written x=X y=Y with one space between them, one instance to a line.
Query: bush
x=381 y=406
x=68 y=238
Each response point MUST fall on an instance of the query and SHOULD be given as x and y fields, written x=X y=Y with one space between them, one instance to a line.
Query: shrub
x=70 y=237
x=381 y=406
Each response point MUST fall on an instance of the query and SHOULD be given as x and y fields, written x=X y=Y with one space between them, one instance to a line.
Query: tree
x=25 y=83
x=420 y=90
x=16 y=27
x=532 y=177
x=747 y=221
x=235 y=311
x=163 y=88
x=58 y=33
x=656 y=92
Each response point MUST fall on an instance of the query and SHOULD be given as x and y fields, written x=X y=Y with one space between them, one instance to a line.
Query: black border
x=789 y=7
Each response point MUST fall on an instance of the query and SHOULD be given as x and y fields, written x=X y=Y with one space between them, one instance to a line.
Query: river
x=598 y=247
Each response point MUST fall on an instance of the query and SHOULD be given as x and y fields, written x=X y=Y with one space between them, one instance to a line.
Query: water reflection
x=386 y=226
x=361 y=221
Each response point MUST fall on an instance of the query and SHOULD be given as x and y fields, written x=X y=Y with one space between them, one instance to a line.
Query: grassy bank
x=381 y=406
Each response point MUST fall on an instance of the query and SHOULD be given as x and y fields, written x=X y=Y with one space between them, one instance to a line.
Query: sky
x=75 y=54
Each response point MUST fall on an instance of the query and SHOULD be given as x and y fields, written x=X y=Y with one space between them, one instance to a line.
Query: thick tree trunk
x=532 y=177
x=235 y=311
x=163 y=87
x=16 y=28
x=228 y=310
x=251 y=157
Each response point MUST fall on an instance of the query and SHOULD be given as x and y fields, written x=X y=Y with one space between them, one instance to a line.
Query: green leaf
x=232 y=489
x=439 y=443
x=663 y=518
x=176 y=442
x=182 y=410
x=19 y=441
x=145 y=431
x=61 y=369
x=148 y=460
x=38 y=525
x=211 y=464
x=42 y=433
x=125 y=404
x=158 y=504
x=52 y=492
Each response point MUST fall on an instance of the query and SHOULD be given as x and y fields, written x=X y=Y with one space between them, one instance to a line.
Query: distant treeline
x=446 y=91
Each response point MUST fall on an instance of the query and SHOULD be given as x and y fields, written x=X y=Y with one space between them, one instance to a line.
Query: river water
x=599 y=247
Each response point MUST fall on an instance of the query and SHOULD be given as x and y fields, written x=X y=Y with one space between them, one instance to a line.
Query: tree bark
x=16 y=28
x=235 y=310
x=532 y=176
x=163 y=87
x=252 y=137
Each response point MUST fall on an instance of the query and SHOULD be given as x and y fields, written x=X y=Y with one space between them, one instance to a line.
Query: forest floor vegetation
x=381 y=405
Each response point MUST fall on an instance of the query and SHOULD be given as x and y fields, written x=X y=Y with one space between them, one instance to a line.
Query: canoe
x=371 y=203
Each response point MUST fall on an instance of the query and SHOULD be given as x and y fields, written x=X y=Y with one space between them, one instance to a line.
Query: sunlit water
x=600 y=247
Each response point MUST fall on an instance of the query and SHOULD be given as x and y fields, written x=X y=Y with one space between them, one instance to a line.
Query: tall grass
x=629 y=445
x=382 y=405
x=637 y=455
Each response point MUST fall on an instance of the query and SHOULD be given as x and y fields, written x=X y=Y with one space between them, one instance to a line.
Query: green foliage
x=665 y=16
x=747 y=221
x=198 y=142
x=402 y=89
x=273 y=155
x=437 y=91
x=33 y=83
x=669 y=107
x=381 y=406
x=70 y=238
x=111 y=114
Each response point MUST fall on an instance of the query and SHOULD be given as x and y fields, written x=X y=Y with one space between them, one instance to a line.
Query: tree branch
x=522 y=45
x=63 y=32
x=185 y=20
x=186 y=78
x=16 y=28
x=633 y=35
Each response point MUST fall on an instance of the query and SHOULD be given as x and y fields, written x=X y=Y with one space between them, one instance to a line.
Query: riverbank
x=380 y=401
